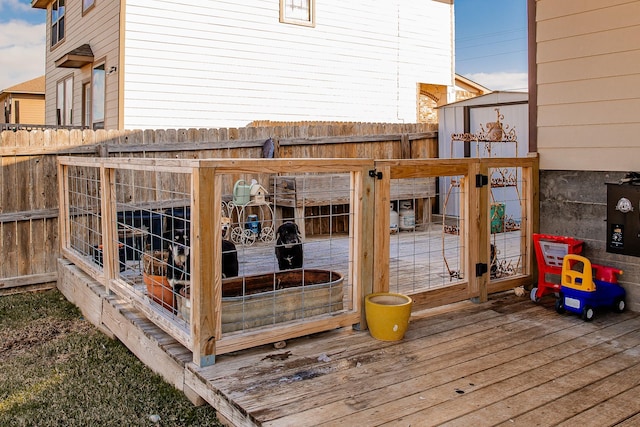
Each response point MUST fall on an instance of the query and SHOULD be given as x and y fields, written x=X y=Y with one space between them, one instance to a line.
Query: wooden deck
x=504 y=362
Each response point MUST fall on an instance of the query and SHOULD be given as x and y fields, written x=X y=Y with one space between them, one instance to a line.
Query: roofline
x=495 y=92
x=21 y=92
x=39 y=4
x=471 y=82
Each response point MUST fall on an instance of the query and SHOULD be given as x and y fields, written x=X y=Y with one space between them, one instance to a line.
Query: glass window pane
x=86 y=4
x=68 y=102
x=298 y=9
x=97 y=103
x=54 y=34
x=59 y=102
x=61 y=28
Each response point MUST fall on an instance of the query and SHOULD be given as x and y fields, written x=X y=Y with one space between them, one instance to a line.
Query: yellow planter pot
x=387 y=315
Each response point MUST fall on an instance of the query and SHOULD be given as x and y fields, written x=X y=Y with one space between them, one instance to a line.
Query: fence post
x=381 y=230
x=110 y=250
x=477 y=232
x=363 y=217
x=206 y=238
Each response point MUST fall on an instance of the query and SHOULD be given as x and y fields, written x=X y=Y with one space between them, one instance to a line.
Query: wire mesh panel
x=507 y=214
x=85 y=215
x=153 y=233
x=426 y=246
x=283 y=272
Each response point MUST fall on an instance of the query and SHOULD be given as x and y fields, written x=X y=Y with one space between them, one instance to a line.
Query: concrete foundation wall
x=574 y=203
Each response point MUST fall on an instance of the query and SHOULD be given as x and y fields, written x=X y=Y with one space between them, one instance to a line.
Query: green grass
x=56 y=369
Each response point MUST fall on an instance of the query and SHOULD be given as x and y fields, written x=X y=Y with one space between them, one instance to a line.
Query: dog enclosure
x=121 y=217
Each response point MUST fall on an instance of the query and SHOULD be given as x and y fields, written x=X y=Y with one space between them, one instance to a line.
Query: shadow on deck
x=504 y=362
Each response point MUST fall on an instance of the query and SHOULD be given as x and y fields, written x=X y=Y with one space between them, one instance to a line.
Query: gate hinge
x=481 y=268
x=481 y=180
x=375 y=174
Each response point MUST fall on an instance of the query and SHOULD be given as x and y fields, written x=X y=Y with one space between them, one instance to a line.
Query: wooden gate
x=462 y=245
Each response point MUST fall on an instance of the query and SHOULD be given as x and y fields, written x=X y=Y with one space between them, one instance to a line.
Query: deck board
x=507 y=361
x=484 y=364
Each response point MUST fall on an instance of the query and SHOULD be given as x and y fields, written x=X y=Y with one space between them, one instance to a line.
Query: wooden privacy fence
x=29 y=246
x=121 y=218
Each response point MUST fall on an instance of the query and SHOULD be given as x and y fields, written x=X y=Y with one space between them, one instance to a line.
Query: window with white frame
x=300 y=12
x=98 y=85
x=64 y=102
x=57 y=21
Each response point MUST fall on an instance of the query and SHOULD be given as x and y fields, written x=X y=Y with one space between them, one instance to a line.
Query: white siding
x=226 y=63
x=588 y=60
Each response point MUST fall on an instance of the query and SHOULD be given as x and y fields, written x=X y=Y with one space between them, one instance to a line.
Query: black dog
x=229 y=259
x=179 y=258
x=289 y=246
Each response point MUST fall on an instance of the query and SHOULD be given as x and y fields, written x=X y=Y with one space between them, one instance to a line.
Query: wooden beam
x=30 y=280
x=362 y=252
x=206 y=242
x=381 y=230
x=28 y=215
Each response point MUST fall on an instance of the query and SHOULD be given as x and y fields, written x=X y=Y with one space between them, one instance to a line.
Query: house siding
x=588 y=82
x=31 y=109
x=588 y=91
x=193 y=64
x=99 y=28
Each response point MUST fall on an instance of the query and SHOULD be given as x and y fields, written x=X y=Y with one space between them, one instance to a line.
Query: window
x=87 y=4
x=16 y=109
x=300 y=12
x=7 y=110
x=64 y=102
x=57 y=21
x=86 y=105
x=98 y=96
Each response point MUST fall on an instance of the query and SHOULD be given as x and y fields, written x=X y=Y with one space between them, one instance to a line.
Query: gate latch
x=481 y=180
x=481 y=268
x=375 y=174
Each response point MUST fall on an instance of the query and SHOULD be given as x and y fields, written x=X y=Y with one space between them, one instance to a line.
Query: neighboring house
x=466 y=88
x=24 y=103
x=585 y=94
x=434 y=96
x=139 y=64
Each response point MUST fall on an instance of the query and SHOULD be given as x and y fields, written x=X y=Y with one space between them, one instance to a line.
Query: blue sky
x=491 y=42
x=22 y=42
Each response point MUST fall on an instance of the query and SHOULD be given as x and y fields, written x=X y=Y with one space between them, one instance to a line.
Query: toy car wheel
x=560 y=304
x=533 y=296
x=619 y=305
x=588 y=313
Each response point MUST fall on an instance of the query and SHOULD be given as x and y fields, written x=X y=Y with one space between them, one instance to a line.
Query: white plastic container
x=394 y=220
x=407 y=216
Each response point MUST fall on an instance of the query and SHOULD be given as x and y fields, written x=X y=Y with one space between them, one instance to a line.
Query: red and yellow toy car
x=580 y=293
